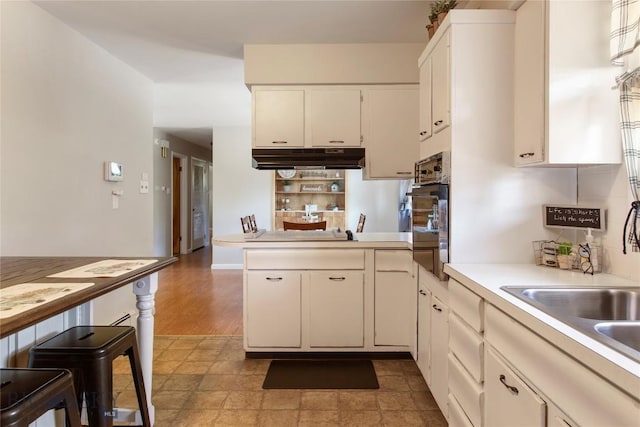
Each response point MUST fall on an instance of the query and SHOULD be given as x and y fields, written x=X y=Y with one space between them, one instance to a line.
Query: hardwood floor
x=192 y=299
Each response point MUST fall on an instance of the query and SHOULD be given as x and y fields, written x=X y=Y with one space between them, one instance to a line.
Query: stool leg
x=136 y=370
x=71 y=409
x=98 y=389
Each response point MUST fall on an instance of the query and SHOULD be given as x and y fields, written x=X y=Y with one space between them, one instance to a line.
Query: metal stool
x=27 y=394
x=88 y=352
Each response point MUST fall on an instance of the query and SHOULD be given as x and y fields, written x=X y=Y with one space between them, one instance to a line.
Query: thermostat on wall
x=113 y=171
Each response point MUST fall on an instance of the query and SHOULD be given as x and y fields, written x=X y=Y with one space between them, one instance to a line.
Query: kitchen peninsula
x=328 y=295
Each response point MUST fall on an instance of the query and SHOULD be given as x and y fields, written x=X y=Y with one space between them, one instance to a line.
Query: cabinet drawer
x=394 y=261
x=304 y=259
x=508 y=398
x=466 y=391
x=466 y=304
x=467 y=345
x=457 y=417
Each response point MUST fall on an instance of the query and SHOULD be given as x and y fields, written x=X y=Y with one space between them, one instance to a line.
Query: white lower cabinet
x=336 y=309
x=424 y=330
x=573 y=393
x=457 y=417
x=509 y=401
x=433 y=335
x=395 y=299
x=273 y=309
x=439 y=349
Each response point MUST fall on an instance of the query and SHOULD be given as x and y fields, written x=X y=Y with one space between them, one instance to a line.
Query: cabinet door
x=333 y=118
x=395 y=295
x=508 y=400
x=390 y=119
x=441 y=83
x=529 y=83
x=424 y=331
x=278 y=119
x=273 y=309
x=336 y=308
x=425 y=100
x=439 y=350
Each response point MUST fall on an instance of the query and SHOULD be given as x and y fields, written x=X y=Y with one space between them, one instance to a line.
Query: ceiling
x=193 y=50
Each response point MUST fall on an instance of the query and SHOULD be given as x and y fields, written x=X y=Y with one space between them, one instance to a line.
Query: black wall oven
x=430 y=214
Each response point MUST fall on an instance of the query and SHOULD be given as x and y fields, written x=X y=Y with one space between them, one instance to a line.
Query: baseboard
x=226 y=266
x=372 y=355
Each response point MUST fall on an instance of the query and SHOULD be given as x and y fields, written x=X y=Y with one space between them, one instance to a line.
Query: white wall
x=68 y=106
x=608 y=186
x=238 y=190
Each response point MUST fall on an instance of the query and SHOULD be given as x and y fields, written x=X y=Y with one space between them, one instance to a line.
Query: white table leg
x=145 y=291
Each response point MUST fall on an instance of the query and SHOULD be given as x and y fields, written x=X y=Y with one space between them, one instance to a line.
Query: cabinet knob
x=526 y=155
x=511 y=388
x=438 y=123
x=279 y=142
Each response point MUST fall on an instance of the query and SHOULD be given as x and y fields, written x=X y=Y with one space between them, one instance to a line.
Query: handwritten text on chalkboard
x=574 y=217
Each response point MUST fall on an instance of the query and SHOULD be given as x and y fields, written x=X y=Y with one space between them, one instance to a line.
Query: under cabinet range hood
x=308 y=158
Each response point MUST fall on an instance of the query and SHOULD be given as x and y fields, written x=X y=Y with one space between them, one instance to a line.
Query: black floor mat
x=321 y=374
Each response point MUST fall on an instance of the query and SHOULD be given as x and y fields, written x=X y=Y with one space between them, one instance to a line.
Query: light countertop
x=486 y=280
x=362 y=241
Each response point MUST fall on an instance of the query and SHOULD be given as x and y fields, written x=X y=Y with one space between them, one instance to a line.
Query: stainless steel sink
x=607 y=314
x=599 y=303
x=628 y=333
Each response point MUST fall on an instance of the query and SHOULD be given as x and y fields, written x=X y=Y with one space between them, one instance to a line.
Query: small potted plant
x=286 y=186
x=564 y=255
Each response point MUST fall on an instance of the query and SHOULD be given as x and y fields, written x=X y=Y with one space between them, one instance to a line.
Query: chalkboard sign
x=574 y=217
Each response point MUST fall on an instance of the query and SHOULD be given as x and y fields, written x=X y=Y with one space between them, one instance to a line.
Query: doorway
x=199 y=203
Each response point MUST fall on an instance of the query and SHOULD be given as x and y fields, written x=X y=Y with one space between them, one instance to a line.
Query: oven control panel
x=434 y=169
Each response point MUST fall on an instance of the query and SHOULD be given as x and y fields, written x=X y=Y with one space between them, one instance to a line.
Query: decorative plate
x=287 y=173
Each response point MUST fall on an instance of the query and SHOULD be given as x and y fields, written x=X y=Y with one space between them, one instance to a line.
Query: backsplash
x=608 y=185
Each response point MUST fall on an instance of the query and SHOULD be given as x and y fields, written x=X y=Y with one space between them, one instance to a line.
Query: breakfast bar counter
x=297 y=240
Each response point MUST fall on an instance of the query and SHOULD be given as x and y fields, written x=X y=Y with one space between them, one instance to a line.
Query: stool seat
x=88 y=352
x=27 y=394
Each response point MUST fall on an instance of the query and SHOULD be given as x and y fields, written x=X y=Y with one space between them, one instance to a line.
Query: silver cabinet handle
x=421 y=292
x=437 y=123
x=274 y=279
x=526 y=155
x=336 y=142
x=337 y=279
x=279 y=142
x=436 y=308
x=511 y=388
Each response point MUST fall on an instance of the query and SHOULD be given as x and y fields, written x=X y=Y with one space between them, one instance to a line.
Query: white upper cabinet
x=390 y=124
x=425 y=100
x=305 y=116
x=565 y=111
x=278 y=118
x=441 y=84
x=333 y=118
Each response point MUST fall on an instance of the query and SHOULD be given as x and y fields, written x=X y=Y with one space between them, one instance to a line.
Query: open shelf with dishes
x=309 y=196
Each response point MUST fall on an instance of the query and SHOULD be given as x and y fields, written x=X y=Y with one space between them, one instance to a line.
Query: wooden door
x=176 y=206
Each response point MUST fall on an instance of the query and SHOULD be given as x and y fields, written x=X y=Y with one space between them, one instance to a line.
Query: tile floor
x=206 y=381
